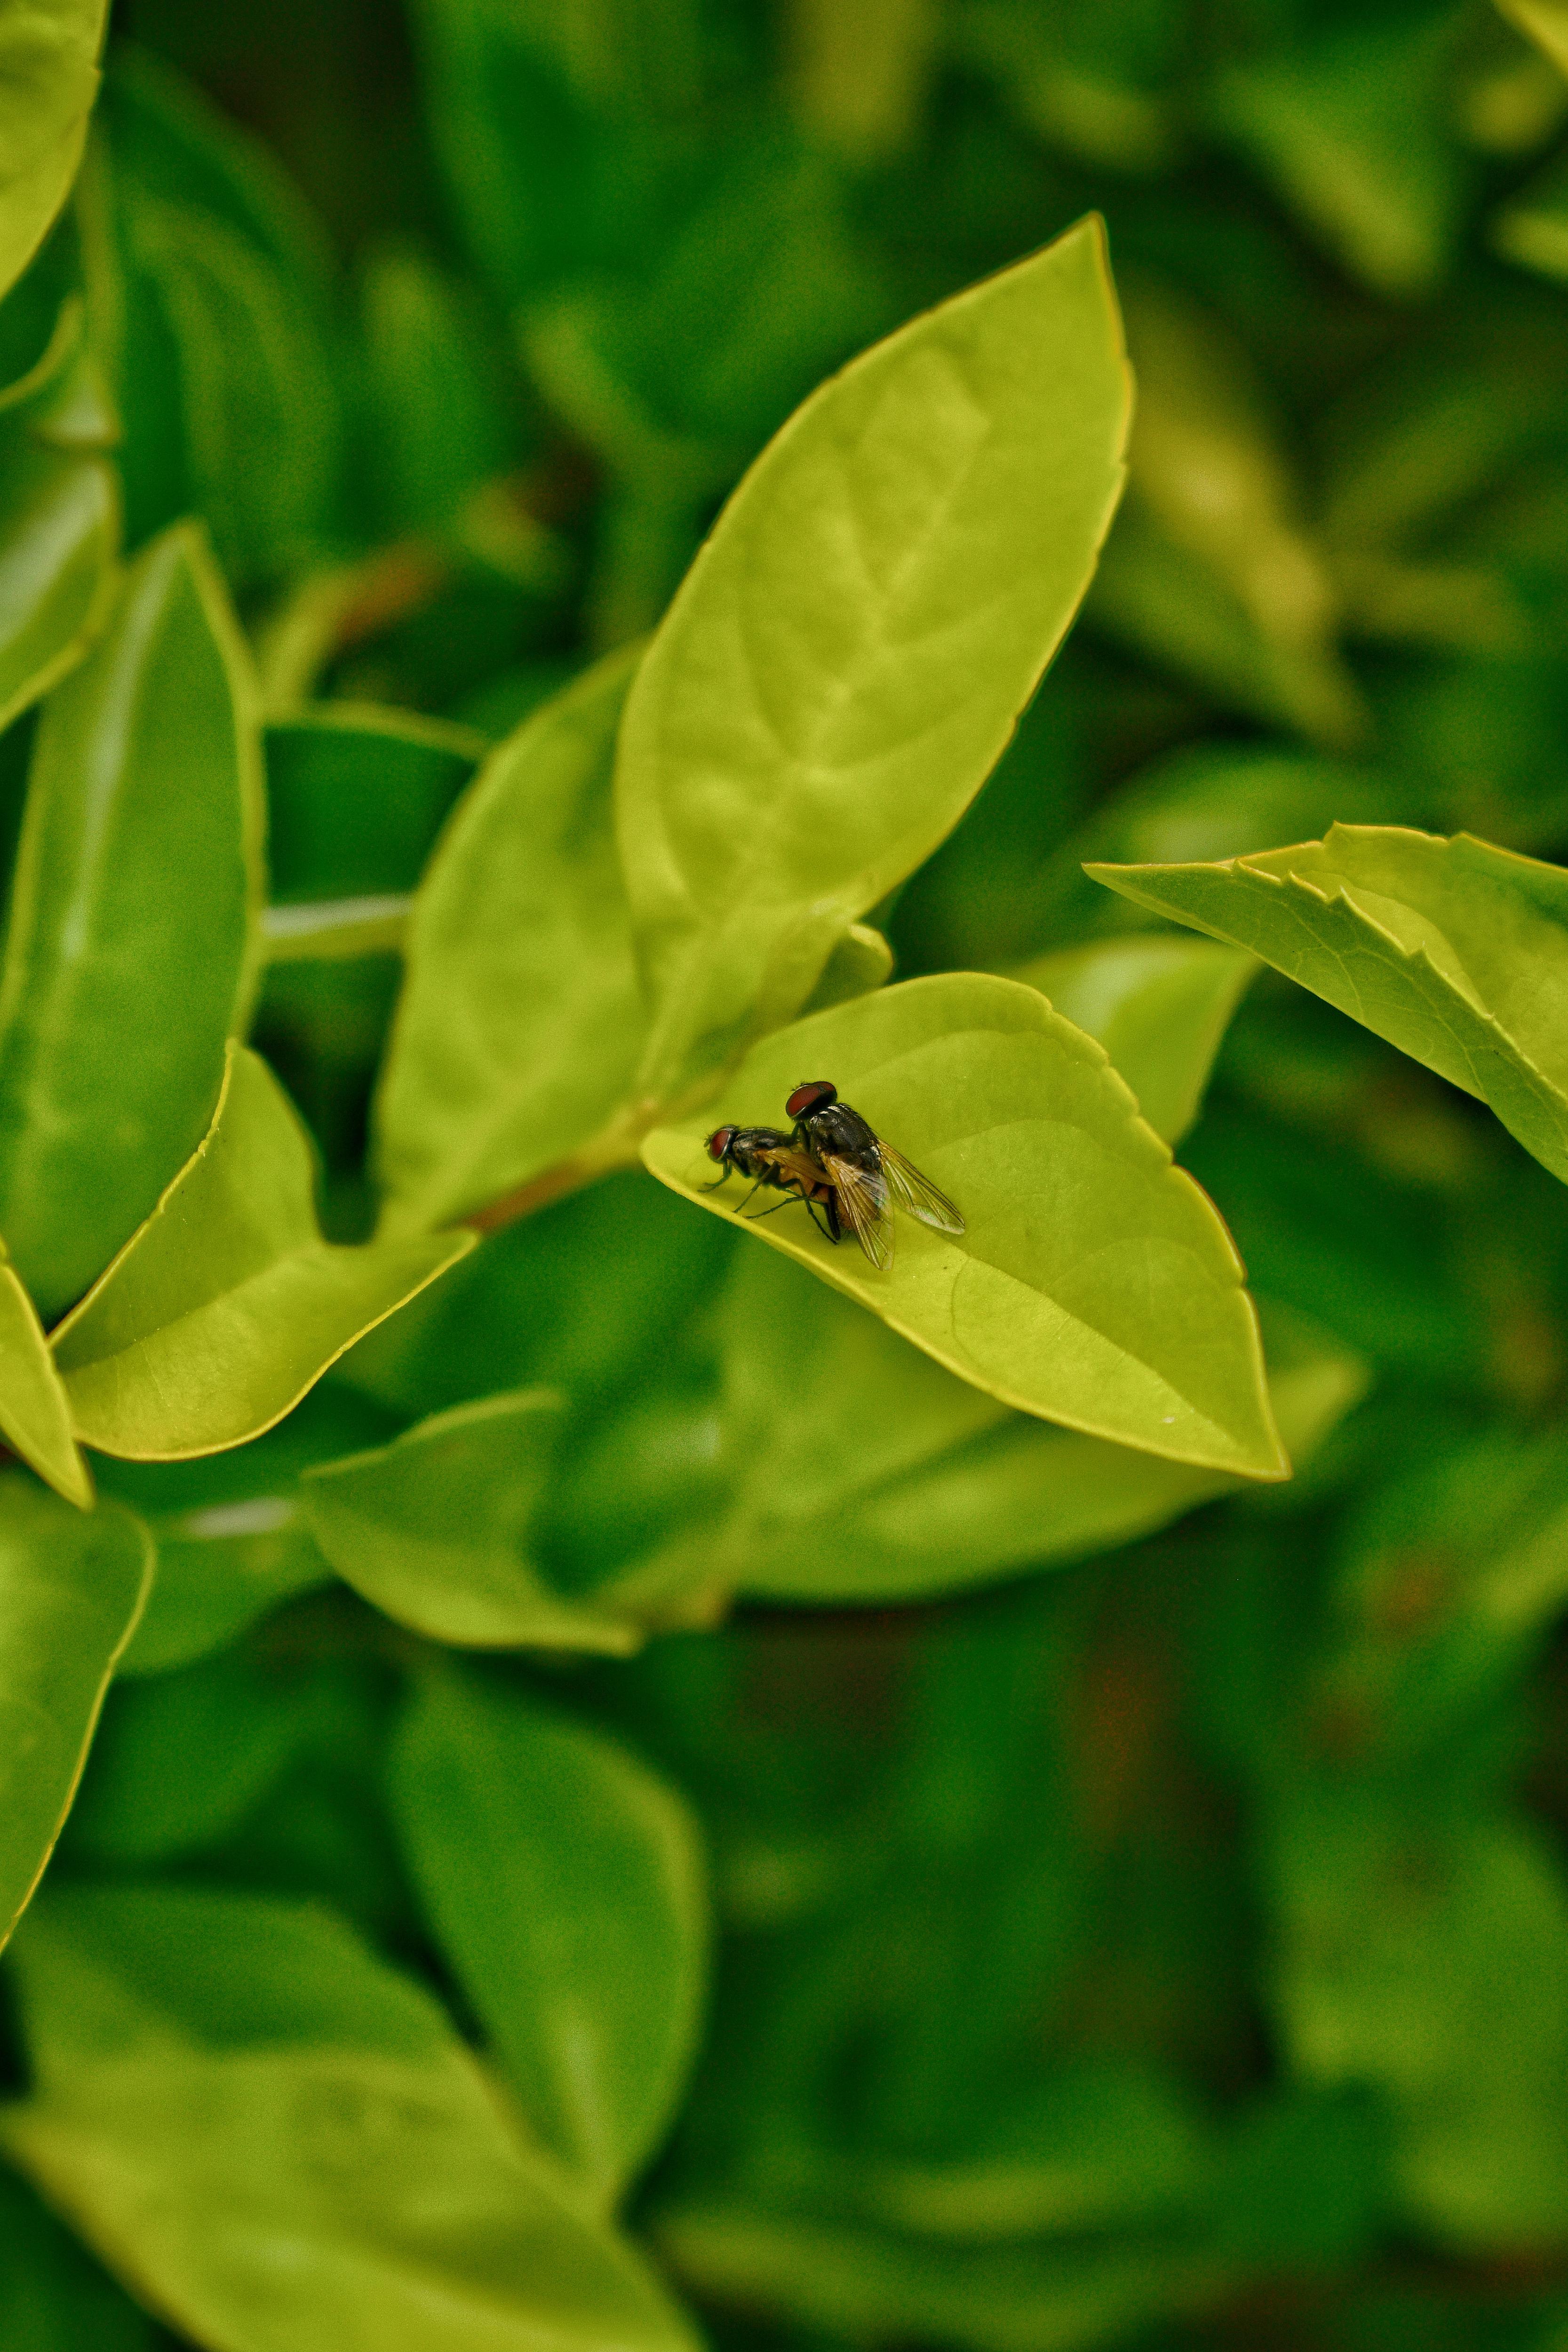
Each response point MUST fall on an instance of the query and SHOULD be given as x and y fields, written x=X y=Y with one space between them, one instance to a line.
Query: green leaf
x=520 y=1020
x=53 y=2294
x=1429 y=1956
x=128 y=955
x=1351 y=128
x=857 y=2282
x=1159 y=1007
x=436 y=1529
x=1455 y=951
x=1546 y=22
x=848 y=654
x=278 y=2141
x=71 y=1590
x=1533 y=226
x=438 y=394
x=59 y=522
x=34 y=1412
x=565 y=1884
x=227 y=1305
x=48 y=79
x=1211 y=567
x=1095 y=1284
x=909 y=1482
x=258 y=403
x=356 y=797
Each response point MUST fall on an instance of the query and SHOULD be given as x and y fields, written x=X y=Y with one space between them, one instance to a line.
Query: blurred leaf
x=869 y=1475
x=1546 y=22
x=334 y=930
x=993 y=424
x=34 y=1412
x=519 y=1021
x=862 y=962
x=1093 y=82
x=1430 y=1956
x=580 y=1297
x=48 y=73
x=1095 y=1284
x=129 y=950
x=860 y=74
x=257 y=397
x=859 y=2282
x=1211 y=566
x=1533 y=226
x=180 y=1758
x=1159 y=1007
x=436 y=1529
x=58 y=525
x=181 y=149
x=73 y=1584
x=227 y=1305
x=229 y=1528
x=566 y=1888
x=282 y=2142
x=1351 y=128
x=565 y=133
x=53 y=2297
x=439 y=420
x=356 y=797
x=1451 y=949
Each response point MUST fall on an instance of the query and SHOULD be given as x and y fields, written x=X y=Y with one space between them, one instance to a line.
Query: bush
x=940 y=1771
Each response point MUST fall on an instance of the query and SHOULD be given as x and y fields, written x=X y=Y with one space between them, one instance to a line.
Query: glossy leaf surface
x=126 y=960
x=72 y=1586
x=1095 y=1284
x=1159 y=1007
x=227 y=1305
x=48 y=79
x=35 y=1412
x=847 y=658
x=518 y=1028
x=1455 y=951
x=566 y=1882
x=59 y=516
x=280 y=2142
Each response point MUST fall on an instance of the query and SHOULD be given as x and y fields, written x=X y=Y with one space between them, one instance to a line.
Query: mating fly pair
x=847 y=1176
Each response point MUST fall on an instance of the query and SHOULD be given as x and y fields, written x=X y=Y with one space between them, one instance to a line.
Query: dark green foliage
x=611 y=1781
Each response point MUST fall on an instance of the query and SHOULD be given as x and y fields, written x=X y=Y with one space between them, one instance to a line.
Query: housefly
x=771 y=1159
x=868 y=1178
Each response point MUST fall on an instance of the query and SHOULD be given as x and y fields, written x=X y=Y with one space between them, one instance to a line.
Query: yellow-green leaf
x=131 y=940
x=48 y=79
x=565 y=1884
x=1095 y=1284
x=1455 y=951
x=279 y=2142
x=34 y=1412
x=518 y=1028
x=847 y=658
x=438 y=1529
x=59 y=522
x=227 y=1305
x=1546 y=22
x=72 y=1585
x=1159 y=1007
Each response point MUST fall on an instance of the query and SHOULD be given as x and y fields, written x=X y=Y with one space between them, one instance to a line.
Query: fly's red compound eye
x=809 y=1098
x=718 y=1142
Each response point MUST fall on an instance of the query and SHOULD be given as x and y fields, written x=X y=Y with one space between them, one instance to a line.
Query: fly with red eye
x=769 y=1159
x=868 y=1177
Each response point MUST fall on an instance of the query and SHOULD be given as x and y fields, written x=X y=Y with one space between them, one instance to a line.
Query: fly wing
x=917 y=1196
x=862 y=1194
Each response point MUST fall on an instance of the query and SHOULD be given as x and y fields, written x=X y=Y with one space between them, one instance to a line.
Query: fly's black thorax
x=839 y=1130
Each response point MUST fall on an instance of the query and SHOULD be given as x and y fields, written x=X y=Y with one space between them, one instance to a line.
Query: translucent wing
x=917 y=1196
x=863 y=1205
